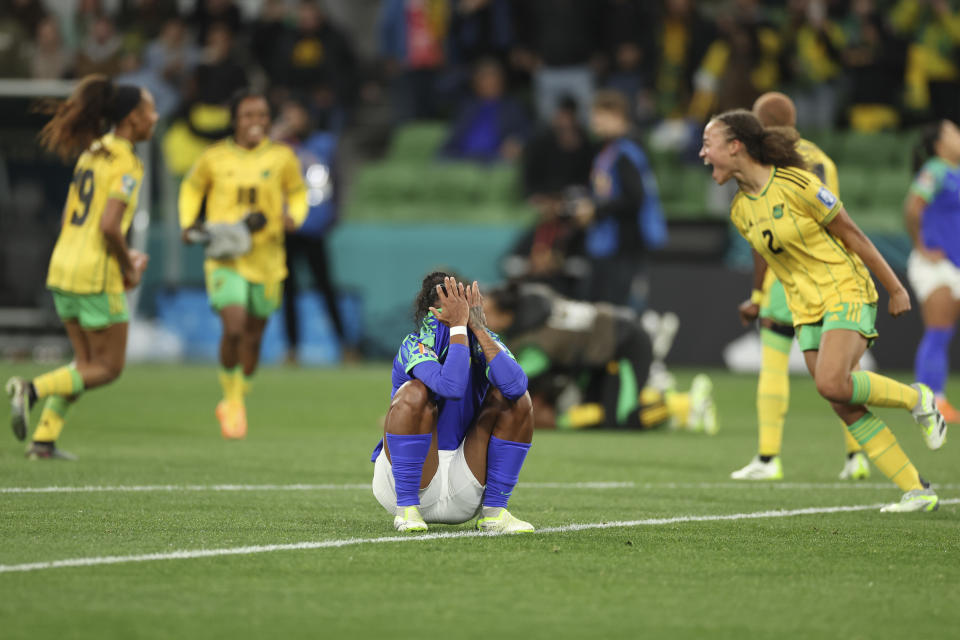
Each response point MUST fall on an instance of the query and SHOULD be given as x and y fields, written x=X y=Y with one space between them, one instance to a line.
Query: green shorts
x=775 y=305
x=854 y=316
x=227 y=288
x=92 y=310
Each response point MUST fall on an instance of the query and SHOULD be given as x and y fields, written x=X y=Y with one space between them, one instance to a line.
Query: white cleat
x=926 y=414
x=17 y=389
x=856 y=467
x=759 y=470
x=502 y=522
x=916 y=500
x=409 y=519
x=703 y=411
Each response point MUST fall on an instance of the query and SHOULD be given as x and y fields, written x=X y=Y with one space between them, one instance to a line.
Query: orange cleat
x=949 y=413
x=228 y=414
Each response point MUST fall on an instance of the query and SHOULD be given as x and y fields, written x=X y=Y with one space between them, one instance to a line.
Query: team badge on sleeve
x=129 y=184
x=827 y=198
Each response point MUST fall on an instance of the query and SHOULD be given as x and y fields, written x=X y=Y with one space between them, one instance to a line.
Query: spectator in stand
x=14 y=46
x=412 y=37
x=811 y=62
x=622 y=217
x=491 y=126
x=556 y=163
x=875 y=60
x=166 y=98
x=29 y=13
x=626 y=31
x=219 y=76
x=142 y=20
x=172 y=55
x=933 y=62
x=316 y=151
x=267 y=30
x=741 y=64
x=101 y=50
x=79 y=23
x=207 y=13
x=50 y=58
x=316 y=54
x=480 y=29
x=558 y=42
x=681 y=43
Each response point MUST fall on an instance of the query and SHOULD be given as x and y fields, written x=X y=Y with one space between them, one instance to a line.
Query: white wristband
x=460 y=330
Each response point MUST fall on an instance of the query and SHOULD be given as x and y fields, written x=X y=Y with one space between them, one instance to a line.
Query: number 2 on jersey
x=84 y=182
x=769 y=236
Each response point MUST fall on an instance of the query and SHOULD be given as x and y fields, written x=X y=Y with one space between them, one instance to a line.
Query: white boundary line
x=187 y=554
x=171 y=488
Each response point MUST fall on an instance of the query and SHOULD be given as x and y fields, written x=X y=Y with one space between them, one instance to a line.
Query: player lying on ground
x=254 y=193
x=460 y=421
x=776 y=327
x=933 y=220
x=801 y=230
x=601 y=350
x=91 y=265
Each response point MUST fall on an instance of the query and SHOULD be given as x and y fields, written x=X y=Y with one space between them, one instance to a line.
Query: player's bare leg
x=411 y=428
x=504 y=428
x=832 y=366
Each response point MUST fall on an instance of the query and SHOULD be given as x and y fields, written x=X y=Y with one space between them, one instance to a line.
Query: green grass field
x=152 y=438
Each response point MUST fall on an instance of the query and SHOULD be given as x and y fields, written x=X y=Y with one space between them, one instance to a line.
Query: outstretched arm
x=844 y=228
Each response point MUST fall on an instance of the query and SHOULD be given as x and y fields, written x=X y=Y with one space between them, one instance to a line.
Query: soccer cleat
x=915 y=500
x=703 y=411
x=928 y=417
x=409 y=519
x=233 y=420
x=948 y=411
x=503 y=522
x=760 y=470
x=856 y=467
x=48 y=451
x=19 y=391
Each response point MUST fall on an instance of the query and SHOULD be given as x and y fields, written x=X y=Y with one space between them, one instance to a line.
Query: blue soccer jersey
x=432 y=345
x=938 y=184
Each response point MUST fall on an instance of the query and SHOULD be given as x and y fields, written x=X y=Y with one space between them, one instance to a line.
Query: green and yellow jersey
x=786 y=224
x=81 y=262
x=237 y=181
x=824 y=168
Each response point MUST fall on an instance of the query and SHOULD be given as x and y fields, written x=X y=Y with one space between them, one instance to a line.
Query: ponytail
x=776 y=146
x=926 y=146
x=95 y=105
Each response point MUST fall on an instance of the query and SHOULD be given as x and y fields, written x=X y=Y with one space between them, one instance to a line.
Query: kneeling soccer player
x=460 y=420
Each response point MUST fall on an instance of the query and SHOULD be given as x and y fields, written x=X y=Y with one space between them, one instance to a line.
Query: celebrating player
x=91 y=265
x=253 y=192
x=933 y=220
x=460 y=421
x=800 y=229
x=775 y=109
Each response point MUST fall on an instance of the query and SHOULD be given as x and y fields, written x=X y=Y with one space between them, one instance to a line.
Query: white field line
x=187 y=554
x=170 y=488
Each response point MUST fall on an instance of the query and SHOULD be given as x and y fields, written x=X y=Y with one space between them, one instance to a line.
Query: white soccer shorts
x=926 y=276
x=452 y=497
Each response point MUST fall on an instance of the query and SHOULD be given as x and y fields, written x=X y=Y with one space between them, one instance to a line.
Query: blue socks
x=932 y=361
x=504 y=459
x=407 y=455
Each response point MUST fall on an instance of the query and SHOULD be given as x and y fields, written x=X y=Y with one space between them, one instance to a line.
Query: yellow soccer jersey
x=820 y=164
x=786 y=224
x=81 y=262
x=237 y=181
x=823 y=167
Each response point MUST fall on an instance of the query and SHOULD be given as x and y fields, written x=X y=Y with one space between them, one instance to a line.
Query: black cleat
x=19 y=391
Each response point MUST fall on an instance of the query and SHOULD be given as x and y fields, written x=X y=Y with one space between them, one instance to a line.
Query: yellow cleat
x=233 y=420
x=503 y=522
x=409 y=519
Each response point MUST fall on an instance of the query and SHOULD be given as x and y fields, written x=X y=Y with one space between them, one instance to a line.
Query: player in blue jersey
x=460 y=421
x=933 y=220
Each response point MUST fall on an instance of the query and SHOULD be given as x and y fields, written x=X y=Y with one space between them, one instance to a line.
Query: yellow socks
x=773 y=391
x=881 y=447
x=581 y=416
x=678 y=406
x=879 y=391
x=654 y=409
x=232 y=383
x=849 y=441
x=65 y=381
x=51 y=419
